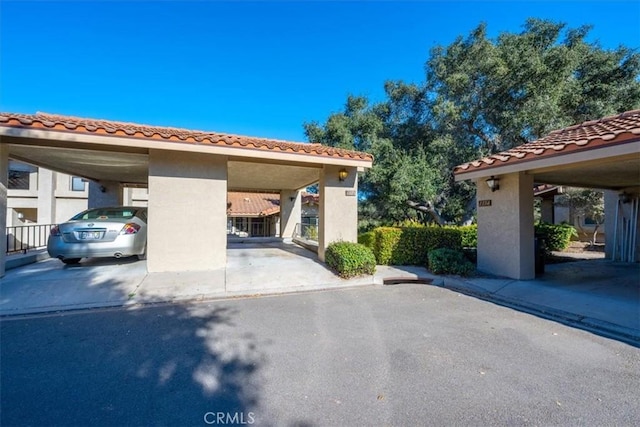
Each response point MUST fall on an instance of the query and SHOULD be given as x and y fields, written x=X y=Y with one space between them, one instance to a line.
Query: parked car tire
x=69 y=261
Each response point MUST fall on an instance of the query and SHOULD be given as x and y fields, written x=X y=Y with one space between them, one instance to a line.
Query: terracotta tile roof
x=310 y=197
x=252 y=204
x=546 y=190
x=132 y=130
x=611 y=130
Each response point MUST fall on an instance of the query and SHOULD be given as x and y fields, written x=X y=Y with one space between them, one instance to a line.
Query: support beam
x=290 y=212
x=187 y=211
x=4 y=182
x=505 y=227
x=338 y=210
x=610 y=212
x=547 y=207
x=46 y=196
x=104 y=193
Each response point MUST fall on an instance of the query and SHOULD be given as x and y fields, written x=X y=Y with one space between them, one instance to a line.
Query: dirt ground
x=577 y=251
x=580 y=247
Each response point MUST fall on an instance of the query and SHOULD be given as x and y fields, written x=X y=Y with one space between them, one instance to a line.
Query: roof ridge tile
x=137 y=130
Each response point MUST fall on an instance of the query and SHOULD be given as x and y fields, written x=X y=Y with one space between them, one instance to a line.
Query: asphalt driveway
x=384 y=355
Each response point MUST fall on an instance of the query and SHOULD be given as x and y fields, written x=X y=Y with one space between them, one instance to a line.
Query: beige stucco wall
x=614 y=207
x=105 y=193
x=187 y=211
x=505 y=229
x=48 y=200
x=4 y=178
x=290 y=209
x=338 y=210
x=135 y=196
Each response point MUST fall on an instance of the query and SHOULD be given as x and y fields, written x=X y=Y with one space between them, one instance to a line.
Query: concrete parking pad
x=597 y=293
x=252 y=269
x=51 y=286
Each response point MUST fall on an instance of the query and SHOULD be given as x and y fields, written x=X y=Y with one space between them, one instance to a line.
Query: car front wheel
x=71 y=260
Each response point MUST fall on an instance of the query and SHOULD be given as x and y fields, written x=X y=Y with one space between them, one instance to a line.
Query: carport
x=601 y=154
x=188 y=174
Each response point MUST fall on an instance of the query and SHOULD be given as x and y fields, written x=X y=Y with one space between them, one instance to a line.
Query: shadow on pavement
x=161 y=365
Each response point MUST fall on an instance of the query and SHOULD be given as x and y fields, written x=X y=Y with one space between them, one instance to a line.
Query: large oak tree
x=479 y=96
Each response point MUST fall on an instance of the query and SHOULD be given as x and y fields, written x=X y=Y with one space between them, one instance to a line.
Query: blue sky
x=251 y=68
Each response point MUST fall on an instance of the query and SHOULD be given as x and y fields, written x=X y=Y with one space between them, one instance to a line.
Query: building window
x=19 y=175
x=310 y=220
x=77 y=183
x=18 y=180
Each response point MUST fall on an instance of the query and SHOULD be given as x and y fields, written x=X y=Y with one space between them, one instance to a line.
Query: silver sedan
x=103 y=232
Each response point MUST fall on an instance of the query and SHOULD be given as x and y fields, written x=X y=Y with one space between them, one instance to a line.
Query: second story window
x=19 y=174
x=18 y=180
x=77 y=183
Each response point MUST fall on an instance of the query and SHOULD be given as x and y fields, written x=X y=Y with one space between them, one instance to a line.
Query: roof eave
x=588 y=154
x=149 y=143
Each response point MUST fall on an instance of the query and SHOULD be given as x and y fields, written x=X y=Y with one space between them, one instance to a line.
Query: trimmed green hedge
x=368 y=239
x=469 y=235
x=410 y=245
x=450 y=261
x=556 y=236
x=350 y=259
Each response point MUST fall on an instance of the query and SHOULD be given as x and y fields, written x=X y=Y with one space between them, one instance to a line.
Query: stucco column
x=290 y=212
x=505 y=227
x=610 y=203
x=127 y=196
x=546 y=210
x=338 y=210
x=187 y=211
x=46 y=196
x=4 y=180
x=104 y=194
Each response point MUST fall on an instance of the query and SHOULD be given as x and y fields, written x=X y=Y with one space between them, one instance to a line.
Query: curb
x=601 y=327
x=21 y=260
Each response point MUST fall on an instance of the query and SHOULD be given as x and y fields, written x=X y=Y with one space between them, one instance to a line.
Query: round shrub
x=449 y=261
x=349 y=259
x=556 y=236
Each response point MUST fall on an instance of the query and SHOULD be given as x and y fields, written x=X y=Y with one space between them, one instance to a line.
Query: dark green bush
x=410 y=245
x=368 y=239
x=450 y=261
x=350 y=259
x=556 y=236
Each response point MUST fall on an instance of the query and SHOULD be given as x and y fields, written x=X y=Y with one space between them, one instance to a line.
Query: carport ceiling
x=265 y=176
x=91 y=164
x=616 y=174
x=133 y=167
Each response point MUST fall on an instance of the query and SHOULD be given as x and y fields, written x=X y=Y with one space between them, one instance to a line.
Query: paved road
x=395 y=355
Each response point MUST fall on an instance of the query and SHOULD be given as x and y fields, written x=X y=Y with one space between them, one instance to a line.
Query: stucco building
x=186 y=171
x=601 y=154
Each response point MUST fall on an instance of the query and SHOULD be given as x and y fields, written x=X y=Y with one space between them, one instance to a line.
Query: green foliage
x=469 y=235
x=556 y=237
x=449 y=261
x=349 y=259
x=480 y=95
x=407 y=223
x=310 y=232
x=584 y=203
x=410 y=245
x=367 y=239
x=519 y=87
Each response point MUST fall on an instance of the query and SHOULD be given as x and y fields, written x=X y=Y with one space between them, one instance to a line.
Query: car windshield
x=106 y=213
